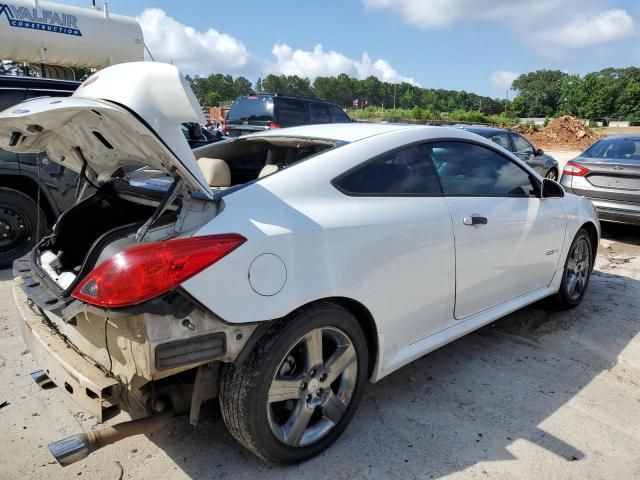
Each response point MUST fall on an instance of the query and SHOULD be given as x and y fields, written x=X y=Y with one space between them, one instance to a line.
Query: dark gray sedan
x=608 y=173
x=544 y=164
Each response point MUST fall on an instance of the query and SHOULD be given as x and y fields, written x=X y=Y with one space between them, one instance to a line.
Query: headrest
x=267 y=170
x=624 y=147
x=216 y=171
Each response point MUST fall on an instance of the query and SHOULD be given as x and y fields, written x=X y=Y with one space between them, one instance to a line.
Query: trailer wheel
x=21 y=223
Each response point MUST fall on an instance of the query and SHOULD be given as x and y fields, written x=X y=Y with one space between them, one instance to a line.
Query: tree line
x=612 y=93
x=343 y=90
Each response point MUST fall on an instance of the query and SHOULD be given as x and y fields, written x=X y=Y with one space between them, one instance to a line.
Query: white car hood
x=126 y=114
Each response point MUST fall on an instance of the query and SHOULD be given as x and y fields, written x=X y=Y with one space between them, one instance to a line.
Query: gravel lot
x=538 y=394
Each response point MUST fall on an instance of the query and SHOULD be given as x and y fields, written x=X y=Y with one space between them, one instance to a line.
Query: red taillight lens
x=575 y=169
x=143 y=272
x=274 y=125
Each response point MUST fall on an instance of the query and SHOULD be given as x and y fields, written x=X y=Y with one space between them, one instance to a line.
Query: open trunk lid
x=123 y=115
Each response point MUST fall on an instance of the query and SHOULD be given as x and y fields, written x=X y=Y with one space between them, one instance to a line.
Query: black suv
x=22 y=182
x=262 y=111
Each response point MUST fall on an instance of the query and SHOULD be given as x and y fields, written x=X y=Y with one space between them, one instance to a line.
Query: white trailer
x=52 y=33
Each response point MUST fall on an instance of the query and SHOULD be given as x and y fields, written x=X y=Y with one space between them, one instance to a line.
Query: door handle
x=475 y=220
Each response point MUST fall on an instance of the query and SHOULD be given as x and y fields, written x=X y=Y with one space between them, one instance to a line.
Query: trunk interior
x=98 y=226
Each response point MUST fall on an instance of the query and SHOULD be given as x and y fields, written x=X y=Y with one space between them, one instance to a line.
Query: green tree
x=241 y=86
x=211 y=99
x=538 y=93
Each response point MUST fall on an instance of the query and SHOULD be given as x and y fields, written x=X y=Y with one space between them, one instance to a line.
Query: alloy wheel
x=552 y=175
x=578 y=268
x=312 y=387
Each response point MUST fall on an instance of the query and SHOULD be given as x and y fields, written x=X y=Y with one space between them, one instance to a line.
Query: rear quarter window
x=319 y=113
x=290 y=112
x=403 y=172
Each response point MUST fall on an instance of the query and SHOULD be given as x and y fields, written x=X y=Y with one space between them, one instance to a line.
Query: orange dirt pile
x=562 y=133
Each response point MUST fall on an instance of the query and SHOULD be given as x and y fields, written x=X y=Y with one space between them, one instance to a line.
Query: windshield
x=615 y=149
x=251 y=108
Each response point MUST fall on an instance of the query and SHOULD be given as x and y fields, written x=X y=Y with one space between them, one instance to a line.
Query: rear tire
x=293 y=397
x=552 y=174
x=21 y=223
x=577 y=272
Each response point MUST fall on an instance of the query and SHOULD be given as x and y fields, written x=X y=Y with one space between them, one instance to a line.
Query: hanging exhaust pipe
x=76 y=447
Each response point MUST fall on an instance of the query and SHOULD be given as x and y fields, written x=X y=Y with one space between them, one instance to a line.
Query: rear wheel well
x=365 y=319
x=30 y=188
x=355 y=308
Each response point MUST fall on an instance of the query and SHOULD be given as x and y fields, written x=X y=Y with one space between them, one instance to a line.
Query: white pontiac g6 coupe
x=278 y=272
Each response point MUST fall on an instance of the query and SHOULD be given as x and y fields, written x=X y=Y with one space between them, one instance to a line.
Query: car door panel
x=514 y=253
x=507 y=239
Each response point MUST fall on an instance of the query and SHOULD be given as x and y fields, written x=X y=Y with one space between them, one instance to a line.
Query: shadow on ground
x=463 y=404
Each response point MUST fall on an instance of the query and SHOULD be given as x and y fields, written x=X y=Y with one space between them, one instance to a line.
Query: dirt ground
x=559 y=146
x=538 y=394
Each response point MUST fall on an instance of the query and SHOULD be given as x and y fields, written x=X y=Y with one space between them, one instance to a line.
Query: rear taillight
x=274 y=125
x=143 y=272
x=575 y=169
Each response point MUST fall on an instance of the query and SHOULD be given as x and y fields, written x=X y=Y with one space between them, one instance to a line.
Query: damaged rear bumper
x=108 y=361
x=84 y=382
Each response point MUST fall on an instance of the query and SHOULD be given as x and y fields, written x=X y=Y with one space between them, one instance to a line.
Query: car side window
x=402 y=172
x=502 y=139
x=290 y=112
x=9 y=98
x=520 y=145
x=319 y=113
x=467 y=169
x=338 y=115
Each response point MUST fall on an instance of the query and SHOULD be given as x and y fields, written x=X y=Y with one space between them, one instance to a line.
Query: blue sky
x=475 y=45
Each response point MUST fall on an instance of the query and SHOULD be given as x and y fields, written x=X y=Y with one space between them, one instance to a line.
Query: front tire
x=300 y=386
x=577 y=272
x=22 y=222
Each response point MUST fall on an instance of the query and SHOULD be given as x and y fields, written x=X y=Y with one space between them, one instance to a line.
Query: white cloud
x=191 y=50
x=443 y=13
x=203 y=52
x=502 y=80
x=548 y=26
x=318 y=62
x=594 y=29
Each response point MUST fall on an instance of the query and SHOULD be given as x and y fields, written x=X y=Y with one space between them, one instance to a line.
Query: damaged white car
x=278 y=272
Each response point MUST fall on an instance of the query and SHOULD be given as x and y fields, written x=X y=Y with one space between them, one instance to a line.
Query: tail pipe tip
x=71 y=449
x=76 y=447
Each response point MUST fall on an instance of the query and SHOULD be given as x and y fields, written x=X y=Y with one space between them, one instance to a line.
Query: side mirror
x=539 y=152
x=551 y=189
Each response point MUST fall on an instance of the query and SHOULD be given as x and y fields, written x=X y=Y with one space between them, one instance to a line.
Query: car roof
x=304 y=98
x=342 y=132
x=17 y=81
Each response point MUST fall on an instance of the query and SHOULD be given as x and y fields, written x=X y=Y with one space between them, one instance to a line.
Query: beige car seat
x=216 y=172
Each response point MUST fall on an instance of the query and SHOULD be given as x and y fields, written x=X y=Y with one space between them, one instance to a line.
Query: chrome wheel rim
x=551 y=175
x=312 y=387
x=578 y=268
